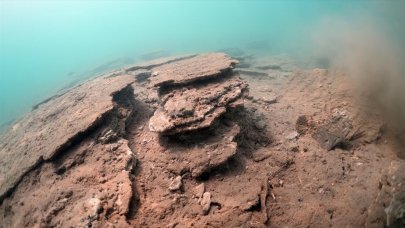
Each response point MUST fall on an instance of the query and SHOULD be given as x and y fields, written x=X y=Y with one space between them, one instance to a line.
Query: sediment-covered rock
x=147 y=65
x=54 y=125
x=192 y=104
x=201 y=152
x=198 y=107
x=85 y=188
x=204 y=66
x=84 y=180
x=199 y=136
x=194 y=93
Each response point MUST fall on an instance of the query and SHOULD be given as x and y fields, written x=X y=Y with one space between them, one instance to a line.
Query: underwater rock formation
x=67 y=159
x=78 y=131
x=155 y=63
x=52 y=126
x=193 y=108
x=173 y=142
x=204 y=66
x=206 y=88
x=194 y=93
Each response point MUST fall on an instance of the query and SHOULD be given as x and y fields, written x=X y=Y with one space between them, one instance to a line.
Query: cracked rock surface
x=83 y=176
x=181 y=142
x=53 y=125
x=192 y=108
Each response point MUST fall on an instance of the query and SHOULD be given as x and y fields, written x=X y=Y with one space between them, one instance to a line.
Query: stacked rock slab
x=194 y=93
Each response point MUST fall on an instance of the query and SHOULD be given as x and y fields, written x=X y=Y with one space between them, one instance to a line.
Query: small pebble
x=206 y=202
x=199 y=190
x=175 y=184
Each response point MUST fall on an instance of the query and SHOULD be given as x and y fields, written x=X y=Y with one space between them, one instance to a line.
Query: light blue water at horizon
x=45 y=45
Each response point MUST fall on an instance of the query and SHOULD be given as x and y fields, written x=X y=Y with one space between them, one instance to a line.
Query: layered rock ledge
x=87 y=157
x=195 y=92
x=193 y=96
x=200 y=67
x=73 y=144
x=53 y=125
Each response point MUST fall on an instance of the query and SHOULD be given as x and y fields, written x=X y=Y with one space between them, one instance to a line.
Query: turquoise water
x=47 y=45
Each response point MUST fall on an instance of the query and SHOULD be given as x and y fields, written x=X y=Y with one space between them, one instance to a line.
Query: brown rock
x=206 y=202
x=203 y=66
x=75 y=198
x=194 y=94
x=147 y=65
x=91 y=207
x=195 y=108
x=199 y=190
x=49 y=128
x=175 y=184
x=216 y=150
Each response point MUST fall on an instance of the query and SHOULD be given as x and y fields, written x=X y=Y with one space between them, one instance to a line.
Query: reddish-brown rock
x=193 y=108
x=53 y=125
x=204 y=66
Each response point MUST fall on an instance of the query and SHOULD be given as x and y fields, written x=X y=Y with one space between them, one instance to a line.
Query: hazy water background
x=47 y=45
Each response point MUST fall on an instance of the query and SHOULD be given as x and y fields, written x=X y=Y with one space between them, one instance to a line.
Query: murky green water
x=47 y=45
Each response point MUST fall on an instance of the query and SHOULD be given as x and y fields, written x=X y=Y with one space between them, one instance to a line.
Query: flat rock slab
x=193 y=108
x=202 y=155
x=147 y=65
x=53 y=125
x=192 y=69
